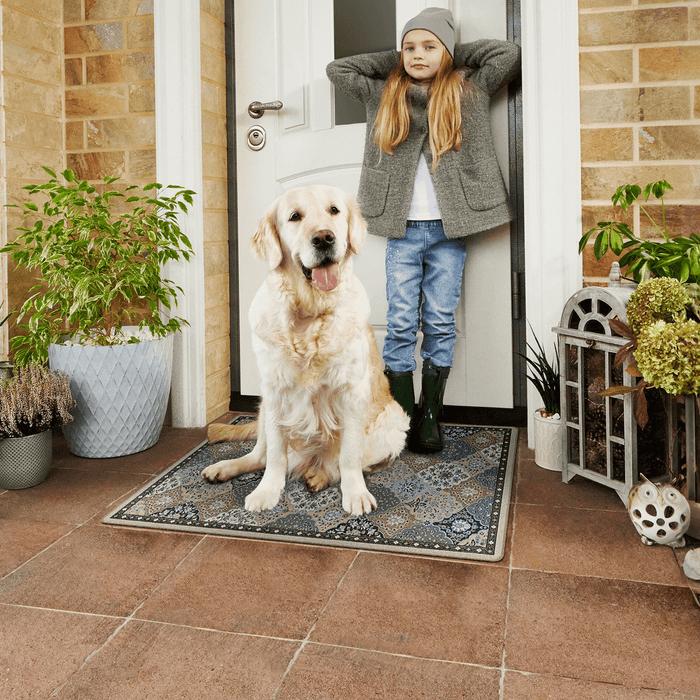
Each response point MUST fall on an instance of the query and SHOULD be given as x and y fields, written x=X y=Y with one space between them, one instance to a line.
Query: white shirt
x=424 y=206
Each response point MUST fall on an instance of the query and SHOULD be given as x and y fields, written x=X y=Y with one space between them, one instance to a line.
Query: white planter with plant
x=548 y=425
x=32 y=402
x=100 y=266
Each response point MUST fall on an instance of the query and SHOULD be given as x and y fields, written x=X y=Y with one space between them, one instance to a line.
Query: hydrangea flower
x=668 y=356
x=657 y=299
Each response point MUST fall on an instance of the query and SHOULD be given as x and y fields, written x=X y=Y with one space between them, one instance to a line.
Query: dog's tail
x=220 y=432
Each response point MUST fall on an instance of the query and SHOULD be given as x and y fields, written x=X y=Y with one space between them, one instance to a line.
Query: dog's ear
x=357 y=226
x=266 y=243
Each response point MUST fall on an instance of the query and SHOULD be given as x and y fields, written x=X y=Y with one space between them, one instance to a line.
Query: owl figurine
x=660 y=513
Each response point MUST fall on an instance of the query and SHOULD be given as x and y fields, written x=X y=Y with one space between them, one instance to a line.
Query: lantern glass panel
x=594 y=407
x=652 y=440
x=572 y=404
x=618 y=461
x=571 y=363
x=573 y=443
x=617 y=417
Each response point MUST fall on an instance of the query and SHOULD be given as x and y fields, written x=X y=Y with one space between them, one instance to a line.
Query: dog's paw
x=216 y=473
x=359 y=503
x=262 y=499
x=318 y=481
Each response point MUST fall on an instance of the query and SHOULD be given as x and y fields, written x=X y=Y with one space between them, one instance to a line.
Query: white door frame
x=552 y=172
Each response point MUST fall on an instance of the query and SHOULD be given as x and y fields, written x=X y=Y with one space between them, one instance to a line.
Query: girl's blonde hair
x=444 y=110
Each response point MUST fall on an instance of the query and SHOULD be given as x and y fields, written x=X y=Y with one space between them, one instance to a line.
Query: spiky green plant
x=544 y=376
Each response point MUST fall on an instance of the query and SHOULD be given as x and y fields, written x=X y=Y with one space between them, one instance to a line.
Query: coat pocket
x=483 y=185
x=373 y=190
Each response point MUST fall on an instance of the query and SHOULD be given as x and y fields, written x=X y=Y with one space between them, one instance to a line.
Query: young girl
x=429 y=179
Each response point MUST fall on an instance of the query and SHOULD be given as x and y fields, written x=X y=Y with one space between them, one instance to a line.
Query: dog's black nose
x=323 y=239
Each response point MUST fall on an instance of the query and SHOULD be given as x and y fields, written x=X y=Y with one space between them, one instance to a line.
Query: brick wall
x=110 y=89
x=78 y=90
x=640 y=112
x=31 y=116
x=216 y=271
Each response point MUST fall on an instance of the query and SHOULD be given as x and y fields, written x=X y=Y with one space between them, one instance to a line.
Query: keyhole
x=256 y=138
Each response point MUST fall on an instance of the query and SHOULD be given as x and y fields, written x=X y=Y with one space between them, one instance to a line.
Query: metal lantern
x=602 y=440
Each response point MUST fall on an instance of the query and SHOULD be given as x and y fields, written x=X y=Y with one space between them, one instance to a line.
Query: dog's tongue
x=325 y=278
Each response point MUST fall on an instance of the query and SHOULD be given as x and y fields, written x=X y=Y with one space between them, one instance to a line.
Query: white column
x=552 y=166
x=179 y=162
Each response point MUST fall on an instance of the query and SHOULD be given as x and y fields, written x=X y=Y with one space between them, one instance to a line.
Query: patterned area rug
x=451 y=504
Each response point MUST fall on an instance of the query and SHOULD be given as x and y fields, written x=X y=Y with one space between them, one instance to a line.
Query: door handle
x=257 y=109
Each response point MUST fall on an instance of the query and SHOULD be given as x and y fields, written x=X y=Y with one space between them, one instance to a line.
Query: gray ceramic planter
x=121 y=393
x=25 y=461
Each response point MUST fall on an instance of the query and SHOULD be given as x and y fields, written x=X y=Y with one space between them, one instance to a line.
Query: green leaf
x=68 y=175
x=601 y=245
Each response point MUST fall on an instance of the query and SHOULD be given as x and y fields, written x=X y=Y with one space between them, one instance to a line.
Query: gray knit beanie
x=436 y=20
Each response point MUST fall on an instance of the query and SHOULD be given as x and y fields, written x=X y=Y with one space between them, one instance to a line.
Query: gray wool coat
x=469 y=185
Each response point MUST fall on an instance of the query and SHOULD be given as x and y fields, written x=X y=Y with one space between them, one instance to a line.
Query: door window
x=361 y=26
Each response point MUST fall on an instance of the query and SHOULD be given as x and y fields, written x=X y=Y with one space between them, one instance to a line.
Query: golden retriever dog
x=326 y=413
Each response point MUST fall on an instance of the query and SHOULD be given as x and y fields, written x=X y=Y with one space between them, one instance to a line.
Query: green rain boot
x=401 y=387
x=426 y=432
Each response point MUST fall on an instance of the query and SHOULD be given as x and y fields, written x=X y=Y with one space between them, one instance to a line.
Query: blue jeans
x=423 y=264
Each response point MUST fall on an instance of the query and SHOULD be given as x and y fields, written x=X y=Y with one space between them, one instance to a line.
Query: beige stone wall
x=31 y=119
x=640 y=112
x=110 y=89
x=216 y=268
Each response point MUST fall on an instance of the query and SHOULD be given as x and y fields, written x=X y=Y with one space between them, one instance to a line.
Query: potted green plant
x=96 y=310
x=545 y=378
x=677 y=257
x=32 y=402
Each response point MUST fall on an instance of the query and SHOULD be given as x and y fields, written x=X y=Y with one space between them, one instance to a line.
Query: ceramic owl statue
x=660 y=513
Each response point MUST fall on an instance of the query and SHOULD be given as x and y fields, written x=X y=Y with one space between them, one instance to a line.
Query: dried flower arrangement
x=664 y=332
x=33 y=400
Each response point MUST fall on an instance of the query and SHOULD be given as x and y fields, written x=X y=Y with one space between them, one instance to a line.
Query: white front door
x=282 y=49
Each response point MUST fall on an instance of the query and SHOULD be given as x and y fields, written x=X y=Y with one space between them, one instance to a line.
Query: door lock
x=256 y=138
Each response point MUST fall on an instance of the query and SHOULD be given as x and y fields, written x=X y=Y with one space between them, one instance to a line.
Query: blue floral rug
x=451 y=504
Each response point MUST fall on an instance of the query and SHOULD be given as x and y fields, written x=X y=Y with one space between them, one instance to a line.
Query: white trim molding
x=179 y=162
x=552 y=166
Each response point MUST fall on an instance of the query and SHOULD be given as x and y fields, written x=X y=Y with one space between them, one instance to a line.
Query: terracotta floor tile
x=20 y=540
x=172 y=445
x=251 y=586
x=607 y=631
x=98 y=569
x=518 y=686
x=355 y=673
x=433 y=609
x=150 y=661
x=542 y=487
x=69 y=495
x=40 y=649
x=589 y=543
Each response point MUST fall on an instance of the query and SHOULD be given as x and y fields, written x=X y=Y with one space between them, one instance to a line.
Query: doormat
x=450 y=504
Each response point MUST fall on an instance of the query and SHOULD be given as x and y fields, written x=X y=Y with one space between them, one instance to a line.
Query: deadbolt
x=256 y=138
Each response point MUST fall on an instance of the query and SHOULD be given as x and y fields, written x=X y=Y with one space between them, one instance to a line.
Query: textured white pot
x=121 y=393
x=549 y=442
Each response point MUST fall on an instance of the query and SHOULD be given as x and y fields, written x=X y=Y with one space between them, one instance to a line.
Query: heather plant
x=33 y=400
x=99 y=264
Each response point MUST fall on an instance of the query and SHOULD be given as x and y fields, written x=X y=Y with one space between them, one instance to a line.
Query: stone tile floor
x=578 y=607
